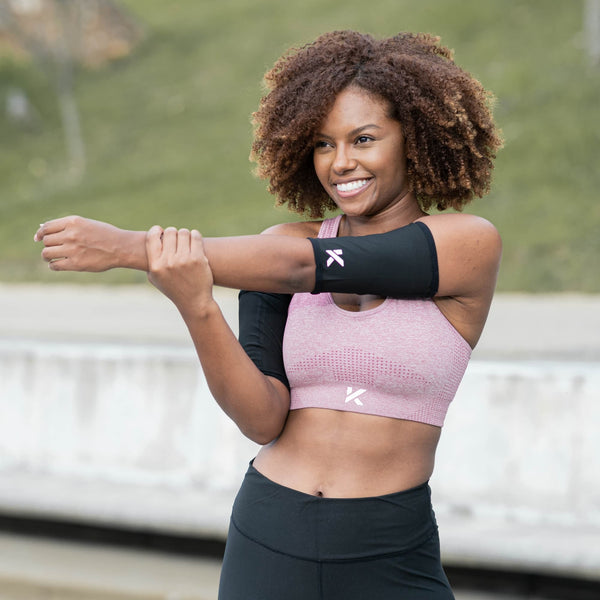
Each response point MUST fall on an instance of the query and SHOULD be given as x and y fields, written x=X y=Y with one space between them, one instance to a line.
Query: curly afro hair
x=445 y=113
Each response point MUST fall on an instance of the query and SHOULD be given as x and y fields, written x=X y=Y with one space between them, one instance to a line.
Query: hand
x=178 y=267
x=79 y=244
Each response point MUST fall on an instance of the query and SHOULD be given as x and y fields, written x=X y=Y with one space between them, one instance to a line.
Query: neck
x=403 y=213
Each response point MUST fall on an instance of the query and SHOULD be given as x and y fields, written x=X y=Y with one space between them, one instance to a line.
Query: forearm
x=257 y=404
x=267 y=263
x=255 y=262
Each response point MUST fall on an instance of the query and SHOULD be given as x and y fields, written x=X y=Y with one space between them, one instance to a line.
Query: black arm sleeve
x=401 y=263
x=262 y=319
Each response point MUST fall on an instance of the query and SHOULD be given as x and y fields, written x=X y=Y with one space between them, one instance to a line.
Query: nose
x=343 y=160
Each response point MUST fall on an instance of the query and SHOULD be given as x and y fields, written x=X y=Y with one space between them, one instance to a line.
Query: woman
x=336 y=504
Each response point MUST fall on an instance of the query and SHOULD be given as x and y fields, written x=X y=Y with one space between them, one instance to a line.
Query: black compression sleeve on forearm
x=262 y=319
x=401 y=263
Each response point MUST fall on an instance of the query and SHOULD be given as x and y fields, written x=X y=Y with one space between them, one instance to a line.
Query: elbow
x=262 y=434
x=263 y=421
x=266 y=426
x=262 y=440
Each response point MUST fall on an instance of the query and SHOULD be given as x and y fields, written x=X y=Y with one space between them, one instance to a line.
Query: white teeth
x=351 y=185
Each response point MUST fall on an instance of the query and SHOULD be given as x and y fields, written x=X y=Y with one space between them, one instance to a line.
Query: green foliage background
x=168 y=129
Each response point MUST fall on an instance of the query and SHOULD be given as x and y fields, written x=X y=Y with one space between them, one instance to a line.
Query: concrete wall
x=127 y=434
x=521 y=441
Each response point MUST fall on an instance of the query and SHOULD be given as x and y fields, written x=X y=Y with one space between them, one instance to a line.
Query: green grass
x=168 y=132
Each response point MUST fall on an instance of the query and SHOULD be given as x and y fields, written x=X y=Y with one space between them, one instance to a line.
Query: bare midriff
x=339 y=454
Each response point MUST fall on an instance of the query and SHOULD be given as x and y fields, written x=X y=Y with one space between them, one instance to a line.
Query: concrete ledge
x=496 y=544
x=473 y=541
x=520 y=443
x=189 y=511
x=126 y=434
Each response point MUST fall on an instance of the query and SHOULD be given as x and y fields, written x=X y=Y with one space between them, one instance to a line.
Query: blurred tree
x=591 y=23
x=58 y=34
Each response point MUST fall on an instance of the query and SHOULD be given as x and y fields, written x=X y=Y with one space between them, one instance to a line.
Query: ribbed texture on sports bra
x=402 y=359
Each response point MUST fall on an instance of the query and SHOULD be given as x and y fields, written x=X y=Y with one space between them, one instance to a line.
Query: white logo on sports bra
x=334 y=255
x=350 y=395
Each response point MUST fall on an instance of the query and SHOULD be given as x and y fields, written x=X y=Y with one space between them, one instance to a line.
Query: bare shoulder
x=459 y=224
x=465 y=231
x=301 y=229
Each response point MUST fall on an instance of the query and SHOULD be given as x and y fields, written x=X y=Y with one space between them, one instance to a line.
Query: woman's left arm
x=270 y=263
x=469 y=249
x=400 y=263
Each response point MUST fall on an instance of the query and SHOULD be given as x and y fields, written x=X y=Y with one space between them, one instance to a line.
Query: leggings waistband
x=331 y=529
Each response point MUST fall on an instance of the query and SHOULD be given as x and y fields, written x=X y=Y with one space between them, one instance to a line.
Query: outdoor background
x=138 y=112
x=160 y=132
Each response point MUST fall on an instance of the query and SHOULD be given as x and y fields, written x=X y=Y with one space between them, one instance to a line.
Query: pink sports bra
x=402 y=359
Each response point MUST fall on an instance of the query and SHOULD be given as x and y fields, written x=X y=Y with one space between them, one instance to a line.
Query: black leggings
x=287 y=545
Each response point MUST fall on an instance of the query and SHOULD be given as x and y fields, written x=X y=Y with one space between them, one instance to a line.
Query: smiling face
x=359 y=156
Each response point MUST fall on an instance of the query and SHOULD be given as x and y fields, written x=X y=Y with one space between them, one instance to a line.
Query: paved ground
x=33 y=569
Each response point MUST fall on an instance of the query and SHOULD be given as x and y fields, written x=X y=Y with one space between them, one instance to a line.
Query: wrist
x=200 y=310
x=130 y=252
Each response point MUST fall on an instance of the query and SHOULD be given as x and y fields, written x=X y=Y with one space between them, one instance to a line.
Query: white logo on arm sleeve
x=335 y=255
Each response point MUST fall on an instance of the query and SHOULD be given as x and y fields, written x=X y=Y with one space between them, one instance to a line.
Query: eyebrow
x=355 y=131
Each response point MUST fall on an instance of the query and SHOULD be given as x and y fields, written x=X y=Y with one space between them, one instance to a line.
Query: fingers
x=154 y=243
x=53 y=244
x=196 y=244
x=183 y=241
x=52 y=239
x=169 y=241
x=53 y=253
x=50 y=227
x=61 y=264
